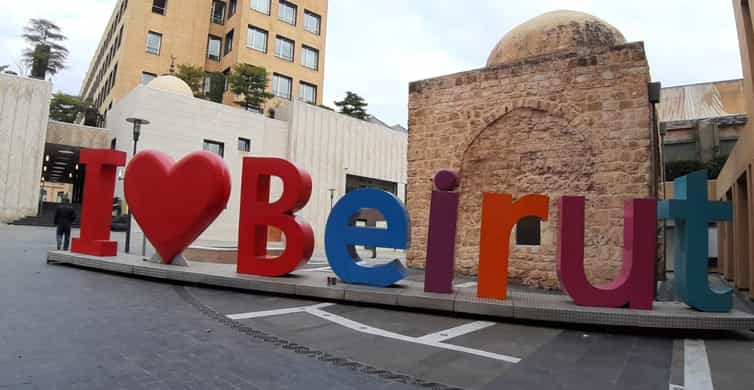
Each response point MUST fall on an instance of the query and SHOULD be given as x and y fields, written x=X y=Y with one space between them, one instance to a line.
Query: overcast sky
x=376 y=47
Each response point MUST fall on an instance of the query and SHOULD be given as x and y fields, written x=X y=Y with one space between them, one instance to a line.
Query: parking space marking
x=363 y=328
x=696 y=371
x=461 y=330
x=277 y=312
x=431 y=340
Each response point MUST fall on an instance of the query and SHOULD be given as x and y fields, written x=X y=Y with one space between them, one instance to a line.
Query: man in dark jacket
x=65 y=215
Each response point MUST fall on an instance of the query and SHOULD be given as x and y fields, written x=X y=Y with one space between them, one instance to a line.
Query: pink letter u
x=634 y=286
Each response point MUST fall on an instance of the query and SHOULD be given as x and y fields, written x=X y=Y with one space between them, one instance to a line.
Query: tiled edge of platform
x=410 y=294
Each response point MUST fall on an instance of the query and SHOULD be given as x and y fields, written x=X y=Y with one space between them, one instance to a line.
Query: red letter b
x=257 y=214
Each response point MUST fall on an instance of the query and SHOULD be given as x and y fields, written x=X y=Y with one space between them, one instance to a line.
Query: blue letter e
x=341 y=236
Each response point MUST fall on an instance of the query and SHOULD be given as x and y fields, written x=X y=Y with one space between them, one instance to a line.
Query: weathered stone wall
x=573 y=123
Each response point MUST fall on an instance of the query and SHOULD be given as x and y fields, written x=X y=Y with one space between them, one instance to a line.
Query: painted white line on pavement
x=318 y=262
x=461 y=330
x=467 y=284
x=277 y=312
x=696 y=371
x=321 y=269
x=359 y=327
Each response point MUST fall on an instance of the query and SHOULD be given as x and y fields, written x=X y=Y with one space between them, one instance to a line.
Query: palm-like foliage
x=45 y=54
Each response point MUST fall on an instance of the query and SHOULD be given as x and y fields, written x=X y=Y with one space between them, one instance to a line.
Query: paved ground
x=62 y=327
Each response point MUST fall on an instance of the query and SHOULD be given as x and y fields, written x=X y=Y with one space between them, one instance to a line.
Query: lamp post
x=137 y=122
x=332 y=197
x=658 y=168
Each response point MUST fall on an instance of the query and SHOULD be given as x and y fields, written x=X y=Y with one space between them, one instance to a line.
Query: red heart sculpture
x=174 y=203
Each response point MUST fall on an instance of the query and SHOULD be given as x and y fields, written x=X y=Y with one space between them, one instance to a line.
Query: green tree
x=715 y=166
x=250 y=82
x=92 y=117
x=193 y=75
x=45 y=53
x=216 y=87
x=354 y=106
x=676 y=169
x=66 y=108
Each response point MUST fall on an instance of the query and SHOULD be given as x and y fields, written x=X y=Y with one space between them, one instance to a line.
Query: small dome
x=553 y=32
x=171 y=84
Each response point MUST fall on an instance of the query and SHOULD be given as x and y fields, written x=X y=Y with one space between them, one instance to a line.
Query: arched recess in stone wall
x=570 y=113
x=528 y=149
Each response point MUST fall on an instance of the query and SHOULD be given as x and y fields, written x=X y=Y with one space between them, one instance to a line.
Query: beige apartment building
x=145 y=37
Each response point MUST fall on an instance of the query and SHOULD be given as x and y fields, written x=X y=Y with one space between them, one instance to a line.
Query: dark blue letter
x=341 y=235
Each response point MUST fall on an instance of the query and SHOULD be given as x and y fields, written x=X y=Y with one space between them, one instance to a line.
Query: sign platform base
x=407 y=294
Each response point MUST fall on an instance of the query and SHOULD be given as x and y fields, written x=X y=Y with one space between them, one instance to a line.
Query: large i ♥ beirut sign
x=174 y=202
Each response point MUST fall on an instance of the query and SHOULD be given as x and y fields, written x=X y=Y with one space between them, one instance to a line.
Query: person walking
x=65 y=215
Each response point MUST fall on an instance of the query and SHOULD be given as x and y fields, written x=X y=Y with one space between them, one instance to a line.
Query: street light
x=137 y=122
x=332 y=196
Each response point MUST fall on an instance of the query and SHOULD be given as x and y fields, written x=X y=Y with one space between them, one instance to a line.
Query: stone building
x=561 y=108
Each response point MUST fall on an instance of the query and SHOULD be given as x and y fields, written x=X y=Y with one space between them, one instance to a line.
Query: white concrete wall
x=179 y=126
x=331 y=145
x=24 y=112
x=327 y=144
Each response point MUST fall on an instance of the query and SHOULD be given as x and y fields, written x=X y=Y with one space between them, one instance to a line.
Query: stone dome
x=171 y=84
x=553 y=32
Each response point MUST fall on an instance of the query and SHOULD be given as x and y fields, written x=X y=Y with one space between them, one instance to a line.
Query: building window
x=528 y=231
x=218 y=12
x=232 y=8
x=154 y=42
x=229 y=42
x=287 y=12
x=207 y=84
x=159 y=6
x=284 y=48
x=226 y=74
x=257 y=39
x=214 y=46
x=310 y=57
x=308 y=92
x=209 y=78
x=312 y=22
x=244 y=145
x=281 y=86
x=354 y=183
x=119 y=39
x=215 y=147
x=146 y=77
x=262 y=6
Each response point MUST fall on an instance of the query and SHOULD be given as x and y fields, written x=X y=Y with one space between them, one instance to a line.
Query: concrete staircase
x=46 y=217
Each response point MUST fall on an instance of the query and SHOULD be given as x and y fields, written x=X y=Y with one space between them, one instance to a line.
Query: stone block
x=467 y=302
x=314 y=284
x=418 y=299
x=374 y=295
